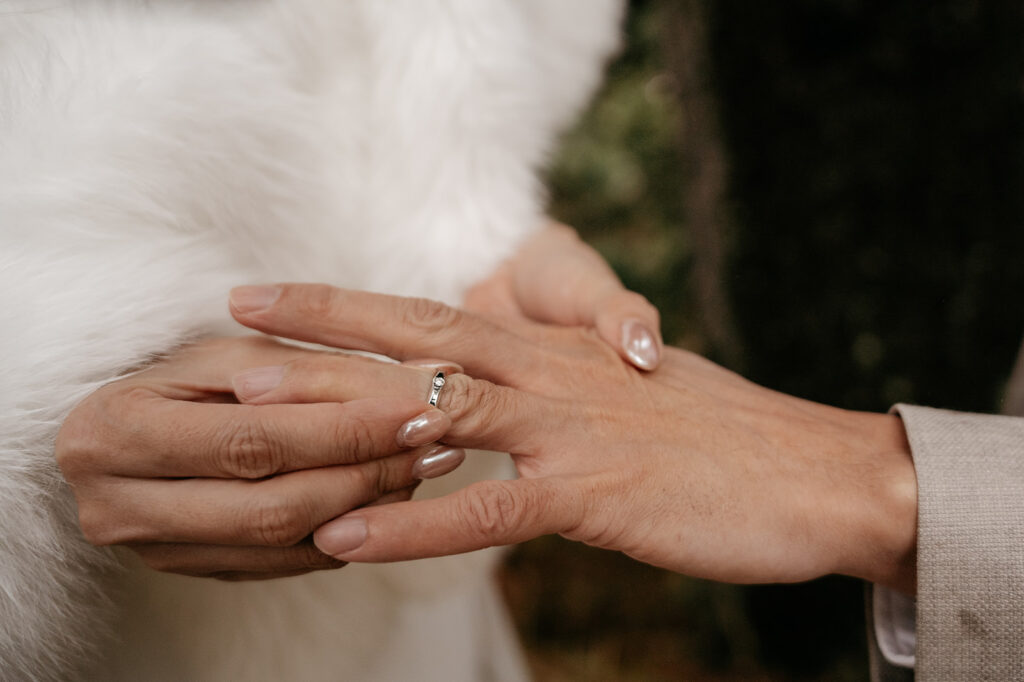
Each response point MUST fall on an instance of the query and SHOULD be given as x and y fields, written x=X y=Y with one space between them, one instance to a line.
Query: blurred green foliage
x=878 y=169
x=875 y=255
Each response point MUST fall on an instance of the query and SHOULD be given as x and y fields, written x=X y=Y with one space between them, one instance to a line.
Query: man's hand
x=167 y=463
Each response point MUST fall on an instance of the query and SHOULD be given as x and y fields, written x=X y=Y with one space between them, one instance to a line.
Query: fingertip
x=424 y=428
x=630 y=324
x=438 y=461
x=641 y=346
x=251 y=384
x=245 y=300
x=341 y=536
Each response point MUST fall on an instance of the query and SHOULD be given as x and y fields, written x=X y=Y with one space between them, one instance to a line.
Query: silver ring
x=435 y=389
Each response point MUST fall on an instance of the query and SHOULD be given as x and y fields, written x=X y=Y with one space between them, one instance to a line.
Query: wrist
x=887 y=510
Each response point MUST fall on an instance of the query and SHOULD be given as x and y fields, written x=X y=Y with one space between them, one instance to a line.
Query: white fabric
x=895 y=621
x=154 y=154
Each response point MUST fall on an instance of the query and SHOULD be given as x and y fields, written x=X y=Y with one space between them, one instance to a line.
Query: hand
x=163 y=462
x=555 y=277
x=690 y=467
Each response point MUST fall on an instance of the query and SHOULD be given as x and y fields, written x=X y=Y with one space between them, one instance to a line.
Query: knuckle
x=101 y=528
x=318 y=301
x=383 y=477
x=491 y=510
x=474 y=402
x=124 y=413
x=131 y=397
x=588 y=346
x=394 y=474
x=364 y=478
x=248 y=453
x=76 y=442
x=105 y=397
x=430 y=316
x=585 y=336
x=279 y=522
x=94 y=528
x=355 y=437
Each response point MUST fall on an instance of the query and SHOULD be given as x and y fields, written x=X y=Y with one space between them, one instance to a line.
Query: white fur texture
x=154 y=154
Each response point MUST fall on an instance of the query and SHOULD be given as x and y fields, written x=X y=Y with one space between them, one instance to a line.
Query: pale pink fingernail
x=640 y=344
x=438 y=462
x=252 y=299
x=341 y=535
x=423 y=429
x=252 y=383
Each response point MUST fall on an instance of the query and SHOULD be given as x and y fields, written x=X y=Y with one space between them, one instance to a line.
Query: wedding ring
x=435 y=389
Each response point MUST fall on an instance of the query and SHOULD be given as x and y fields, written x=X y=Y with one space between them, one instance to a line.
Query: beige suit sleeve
x=970 y=603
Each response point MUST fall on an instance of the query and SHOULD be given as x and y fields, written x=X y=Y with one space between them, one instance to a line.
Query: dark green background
x=873 y=245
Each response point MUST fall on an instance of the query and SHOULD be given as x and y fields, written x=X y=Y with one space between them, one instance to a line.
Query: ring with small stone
x=435 y=389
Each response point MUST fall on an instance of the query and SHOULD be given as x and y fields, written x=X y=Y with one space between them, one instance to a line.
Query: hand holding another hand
x=689 y=467
x=166 y=462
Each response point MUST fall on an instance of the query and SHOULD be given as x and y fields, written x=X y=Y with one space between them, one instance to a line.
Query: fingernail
x=340 y=536
x=251 y=299
x=438 y=462
x=436 y=365
x=426 y=428
x=640 y=345
x=252 y=383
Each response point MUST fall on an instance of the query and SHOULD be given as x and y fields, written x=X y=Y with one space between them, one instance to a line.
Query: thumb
x=558 y=278
x=482 y=515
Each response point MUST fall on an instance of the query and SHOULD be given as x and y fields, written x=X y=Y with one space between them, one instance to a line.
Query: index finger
x=402 y=328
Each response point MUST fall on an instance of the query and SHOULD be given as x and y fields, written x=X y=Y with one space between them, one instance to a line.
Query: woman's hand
x=167 y=463
x=689 y=467
x=555 y=277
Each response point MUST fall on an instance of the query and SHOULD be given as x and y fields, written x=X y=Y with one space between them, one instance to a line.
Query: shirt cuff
x=895 y=625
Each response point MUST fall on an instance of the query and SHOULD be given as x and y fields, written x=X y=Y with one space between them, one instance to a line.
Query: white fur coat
x=154 y=153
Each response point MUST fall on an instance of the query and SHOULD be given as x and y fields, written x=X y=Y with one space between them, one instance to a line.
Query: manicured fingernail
x=426 y=428
x=436 y=365
x=640 y=344
x=252 y=383
x=251 y=299
x=438 y=462
x=340 y=536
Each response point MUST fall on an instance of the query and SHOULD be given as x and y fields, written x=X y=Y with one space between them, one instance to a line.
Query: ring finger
x=484 y=415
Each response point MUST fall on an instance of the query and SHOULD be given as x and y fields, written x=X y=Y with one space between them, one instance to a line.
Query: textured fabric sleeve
x=970 y=558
